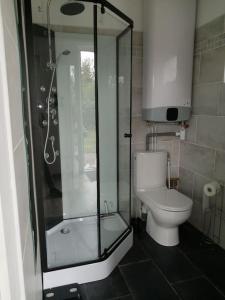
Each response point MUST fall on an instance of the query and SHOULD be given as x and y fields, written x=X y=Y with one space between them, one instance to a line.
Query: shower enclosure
x=79 y=60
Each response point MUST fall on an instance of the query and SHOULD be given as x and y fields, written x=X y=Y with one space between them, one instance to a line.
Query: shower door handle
x=127 y=135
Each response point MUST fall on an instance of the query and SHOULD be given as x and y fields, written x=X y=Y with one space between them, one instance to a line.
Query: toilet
x=167 y=208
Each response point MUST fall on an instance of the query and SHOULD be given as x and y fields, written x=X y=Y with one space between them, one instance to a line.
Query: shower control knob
x=40 y=106
x=52 y=100
x=57 y=152
x=44 y=123
x=55 y=122
x=54 y=90
x=43 y=89
x=53 y=113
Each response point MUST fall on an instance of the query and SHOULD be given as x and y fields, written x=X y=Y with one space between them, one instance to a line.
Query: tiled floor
x=194 y=270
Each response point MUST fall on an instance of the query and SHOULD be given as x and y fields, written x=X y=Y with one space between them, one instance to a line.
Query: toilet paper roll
x=211 y=189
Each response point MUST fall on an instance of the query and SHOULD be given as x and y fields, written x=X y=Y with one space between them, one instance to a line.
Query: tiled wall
x=24 y=278
x=139 y=127
x=202 y=155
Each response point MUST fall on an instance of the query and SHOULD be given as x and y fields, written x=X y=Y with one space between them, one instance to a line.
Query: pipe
x=169 y=172
x=50 y=63
x=152 y=135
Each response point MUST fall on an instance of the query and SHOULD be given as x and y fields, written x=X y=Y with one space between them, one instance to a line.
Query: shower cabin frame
x=41 y=221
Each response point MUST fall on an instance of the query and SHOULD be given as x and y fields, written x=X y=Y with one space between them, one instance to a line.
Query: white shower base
x=80 y=244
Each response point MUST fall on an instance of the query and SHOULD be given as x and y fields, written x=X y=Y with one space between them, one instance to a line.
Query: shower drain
x=65 y=230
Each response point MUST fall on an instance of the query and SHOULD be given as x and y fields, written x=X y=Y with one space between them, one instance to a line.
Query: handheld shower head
x=64 y=52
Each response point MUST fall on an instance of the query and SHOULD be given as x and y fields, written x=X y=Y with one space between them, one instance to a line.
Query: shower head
x=66 y=52
x=72 y=8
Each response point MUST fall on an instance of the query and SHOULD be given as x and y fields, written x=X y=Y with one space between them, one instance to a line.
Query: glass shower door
x=75 y=239
x=124 y=121
x=113 y=56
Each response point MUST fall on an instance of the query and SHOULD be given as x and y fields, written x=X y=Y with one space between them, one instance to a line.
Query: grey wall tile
x=137 y=102
x=211 y=131
x=196 y=215
x=137 y=38
x=139 y=129
x=197 y=159
x=175 y=171
x=199 y=182
x=186 y=182
x=165 y=146
x=221 y=106
x=220 y=201
x=175 y=155
x=137 y=72
x=212 y=65
x=206 y=99
x=220 y=166
x=137 y=51
x=202 y=156
x=210 y=29
x=191 y=133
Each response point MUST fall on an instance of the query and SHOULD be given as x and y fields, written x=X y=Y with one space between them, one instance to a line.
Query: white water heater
x=169 y=27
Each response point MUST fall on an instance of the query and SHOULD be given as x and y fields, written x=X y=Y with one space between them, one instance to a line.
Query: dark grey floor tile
x=192 y=239
x=109 y=288
x=176 y=266
x=146 y=282
x=212 y=264
x=198 y=289
x=135 y=254
x=170 y=260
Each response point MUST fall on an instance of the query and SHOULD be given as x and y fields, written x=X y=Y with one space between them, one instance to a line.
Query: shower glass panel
x=110 y=56
x=75 y=238
x=80 y=65
x=124 y=41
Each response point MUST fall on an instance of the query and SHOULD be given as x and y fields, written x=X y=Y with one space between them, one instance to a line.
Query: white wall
x=18 y=278
x=209 y=10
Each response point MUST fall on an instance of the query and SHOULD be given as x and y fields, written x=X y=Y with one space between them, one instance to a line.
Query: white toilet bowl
x=167 y=209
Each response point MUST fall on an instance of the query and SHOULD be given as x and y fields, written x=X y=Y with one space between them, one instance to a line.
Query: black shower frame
x=40 y=208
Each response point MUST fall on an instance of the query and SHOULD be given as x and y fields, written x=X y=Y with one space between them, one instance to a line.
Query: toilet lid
x=166 y=199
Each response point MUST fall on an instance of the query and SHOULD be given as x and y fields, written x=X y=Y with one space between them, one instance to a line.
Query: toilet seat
x=166 y=199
